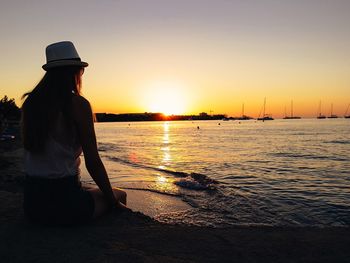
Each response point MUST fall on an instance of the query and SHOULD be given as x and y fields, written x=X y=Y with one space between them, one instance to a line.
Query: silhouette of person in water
x=57 y=126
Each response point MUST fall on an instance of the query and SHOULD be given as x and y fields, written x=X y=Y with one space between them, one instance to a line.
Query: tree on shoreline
x=9 y=111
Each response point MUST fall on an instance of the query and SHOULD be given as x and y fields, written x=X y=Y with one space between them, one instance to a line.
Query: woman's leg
x=101 y=205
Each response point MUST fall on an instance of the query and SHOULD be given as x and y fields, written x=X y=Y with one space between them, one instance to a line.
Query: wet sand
x=147 y=202
x=134 y=237
x=153 y=204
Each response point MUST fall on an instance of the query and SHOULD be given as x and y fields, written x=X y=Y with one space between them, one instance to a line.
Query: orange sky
x=187 y=56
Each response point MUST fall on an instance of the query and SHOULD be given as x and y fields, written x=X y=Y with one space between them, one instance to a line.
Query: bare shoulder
x=81 y=106
x=80 y=101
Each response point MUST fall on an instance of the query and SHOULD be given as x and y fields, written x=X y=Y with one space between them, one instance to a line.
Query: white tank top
x=60 y=157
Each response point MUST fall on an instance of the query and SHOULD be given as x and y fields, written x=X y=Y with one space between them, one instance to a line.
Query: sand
x=153 y=204
x=147 y=202
x=134 y=237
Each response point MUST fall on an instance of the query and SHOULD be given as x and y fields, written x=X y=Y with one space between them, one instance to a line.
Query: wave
x=106 y=147
x=193 y=181
x=308 y=156
x=192 y=184
x=338 y=141
x=153 y=191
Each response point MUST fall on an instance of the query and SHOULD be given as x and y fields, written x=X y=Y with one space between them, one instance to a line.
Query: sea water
x=279 y=173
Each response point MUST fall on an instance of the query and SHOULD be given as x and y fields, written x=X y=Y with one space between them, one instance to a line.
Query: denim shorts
x=60 y=201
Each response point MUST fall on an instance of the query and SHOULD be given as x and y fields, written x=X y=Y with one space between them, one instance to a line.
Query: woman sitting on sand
x=57 y=127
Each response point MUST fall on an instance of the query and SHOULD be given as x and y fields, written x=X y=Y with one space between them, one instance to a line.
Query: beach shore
x=134 y=237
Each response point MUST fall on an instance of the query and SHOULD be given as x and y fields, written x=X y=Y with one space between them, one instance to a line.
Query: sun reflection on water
x=166 y=126
x=166 y=156
x=161 y=179
x=166 y=138
x=164 y=184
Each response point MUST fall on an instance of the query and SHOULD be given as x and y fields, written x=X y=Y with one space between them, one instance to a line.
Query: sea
x=272 y=173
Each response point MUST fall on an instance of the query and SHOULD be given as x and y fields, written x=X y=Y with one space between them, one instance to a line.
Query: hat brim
x=64 y=63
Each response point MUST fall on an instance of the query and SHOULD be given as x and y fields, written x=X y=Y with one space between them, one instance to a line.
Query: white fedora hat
x=62 y=54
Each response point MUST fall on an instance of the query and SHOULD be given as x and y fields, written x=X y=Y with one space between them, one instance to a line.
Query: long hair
x=51 y=96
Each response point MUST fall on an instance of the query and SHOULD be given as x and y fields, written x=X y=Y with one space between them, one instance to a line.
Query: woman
x=57 y=127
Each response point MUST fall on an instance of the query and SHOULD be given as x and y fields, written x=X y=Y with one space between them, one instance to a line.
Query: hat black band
x=74 y=59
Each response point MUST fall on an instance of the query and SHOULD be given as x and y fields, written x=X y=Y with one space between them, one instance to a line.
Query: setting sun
x=167 y=98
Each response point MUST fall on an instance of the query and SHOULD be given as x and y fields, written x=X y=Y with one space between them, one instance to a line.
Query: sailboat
x=346 y=113
x=243 y=117
x=332 y=116
x=265 y=117
x=320 y=116
x=291 y=117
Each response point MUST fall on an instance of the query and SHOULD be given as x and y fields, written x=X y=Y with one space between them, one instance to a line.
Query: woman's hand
x=118 y=205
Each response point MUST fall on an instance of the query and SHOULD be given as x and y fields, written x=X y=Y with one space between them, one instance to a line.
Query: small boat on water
x=243 y=116
x=320 y=115
x=291 y=117
x=265 y=117
x=332 y=116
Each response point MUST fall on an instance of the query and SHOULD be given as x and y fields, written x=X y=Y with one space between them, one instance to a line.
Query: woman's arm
x=85 y=123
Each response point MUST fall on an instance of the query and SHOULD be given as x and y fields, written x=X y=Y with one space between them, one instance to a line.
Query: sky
x=187 y=56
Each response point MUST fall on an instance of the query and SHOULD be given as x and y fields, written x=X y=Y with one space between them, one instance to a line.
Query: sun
x=167 y=98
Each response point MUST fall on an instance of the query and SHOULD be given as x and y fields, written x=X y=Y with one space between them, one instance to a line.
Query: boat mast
x=319 y=109
x=291 y=108
x=331 y=109
x=243 y=110
x=264 y=107
x=346 y=112
x=285 y=111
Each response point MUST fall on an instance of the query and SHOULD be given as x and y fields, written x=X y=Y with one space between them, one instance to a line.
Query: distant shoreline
x=149 y=116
